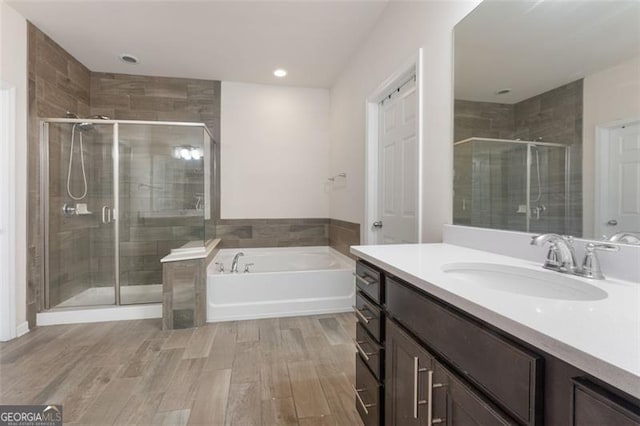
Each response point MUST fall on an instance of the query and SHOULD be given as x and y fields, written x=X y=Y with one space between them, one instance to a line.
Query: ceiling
x=223 y=40
x=534 y=46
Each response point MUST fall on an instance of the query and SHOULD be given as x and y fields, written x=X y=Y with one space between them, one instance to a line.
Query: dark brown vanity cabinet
x=406 y=386
x=423 y=361
x=369 y=342
x=594 y=406
x=421 y=391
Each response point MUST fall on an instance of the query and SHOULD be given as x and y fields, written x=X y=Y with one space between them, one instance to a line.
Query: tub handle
x=246 y=267
x=361 y=315
x=362 y=352
x=362 y=279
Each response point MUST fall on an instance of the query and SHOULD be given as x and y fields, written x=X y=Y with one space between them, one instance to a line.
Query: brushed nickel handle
x=416 y=370
x=377 y=224
x=361 y=315
x=362 y=404
x=362 y=352
x=362 y=279
x=430 y=387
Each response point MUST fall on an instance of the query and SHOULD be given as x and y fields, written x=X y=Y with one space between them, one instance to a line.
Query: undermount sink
x=523 y=281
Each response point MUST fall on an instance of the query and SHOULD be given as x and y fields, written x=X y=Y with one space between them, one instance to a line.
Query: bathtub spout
x=234 y=264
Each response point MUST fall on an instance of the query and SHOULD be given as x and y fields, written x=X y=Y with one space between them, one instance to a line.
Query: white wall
x=609 y=95
x=275 y=152
x=403 y=28
x=13 y=74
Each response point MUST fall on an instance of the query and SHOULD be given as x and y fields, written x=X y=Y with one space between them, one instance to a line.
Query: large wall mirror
x=547 y=118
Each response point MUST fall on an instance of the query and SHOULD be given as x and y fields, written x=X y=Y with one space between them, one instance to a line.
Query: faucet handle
x=591 y=263
x=220 y=266
x=246 y=267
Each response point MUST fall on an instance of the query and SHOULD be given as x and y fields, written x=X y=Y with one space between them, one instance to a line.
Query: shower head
x=83 y=127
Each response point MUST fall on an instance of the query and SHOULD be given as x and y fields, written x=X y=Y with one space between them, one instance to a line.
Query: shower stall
x=512 y=184
x=118 y=196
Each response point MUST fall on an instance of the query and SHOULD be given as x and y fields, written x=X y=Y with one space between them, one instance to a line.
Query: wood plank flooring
x=283 y=371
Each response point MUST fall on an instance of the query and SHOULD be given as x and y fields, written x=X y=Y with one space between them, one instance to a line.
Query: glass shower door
x=161 y=202
x=79 y=226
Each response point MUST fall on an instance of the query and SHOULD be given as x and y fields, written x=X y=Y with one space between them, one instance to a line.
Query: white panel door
x=622 y=201
x=398 y=167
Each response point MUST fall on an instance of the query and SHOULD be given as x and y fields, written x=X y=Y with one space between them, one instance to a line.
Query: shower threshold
x=96 y=305
x=129 y=295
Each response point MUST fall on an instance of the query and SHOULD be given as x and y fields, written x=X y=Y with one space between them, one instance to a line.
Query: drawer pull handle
x=363 y=279
x=416 y=371
x=362 y=352
x=362 y=404
x=361 y=315
x=430 y=387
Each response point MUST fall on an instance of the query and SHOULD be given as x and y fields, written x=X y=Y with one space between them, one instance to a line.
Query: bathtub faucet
x=234 y=264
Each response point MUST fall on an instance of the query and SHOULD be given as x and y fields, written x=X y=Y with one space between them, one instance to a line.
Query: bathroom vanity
x=434 y=348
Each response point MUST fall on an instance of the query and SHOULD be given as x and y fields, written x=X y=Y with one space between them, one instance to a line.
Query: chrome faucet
x=234 y=263
x=624 y=237
x=561 y=255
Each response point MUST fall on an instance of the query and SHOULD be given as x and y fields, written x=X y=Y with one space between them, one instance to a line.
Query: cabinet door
x=594 y=406
x=455 y=403
x=406 y=370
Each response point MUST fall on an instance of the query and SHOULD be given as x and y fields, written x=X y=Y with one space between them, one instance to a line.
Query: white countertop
x=601 y=337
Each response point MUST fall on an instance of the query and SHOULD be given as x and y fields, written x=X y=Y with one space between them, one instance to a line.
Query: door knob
x=612 y=222
x=377 y=224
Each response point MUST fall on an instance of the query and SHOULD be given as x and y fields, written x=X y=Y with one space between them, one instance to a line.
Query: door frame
x=412 y=66
x=601 y=168
x=8 y=222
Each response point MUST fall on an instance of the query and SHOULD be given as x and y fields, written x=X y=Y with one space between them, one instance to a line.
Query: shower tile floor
x=295 y=371
x=129 y=295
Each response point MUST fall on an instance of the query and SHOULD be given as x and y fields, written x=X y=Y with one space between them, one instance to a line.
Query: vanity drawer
x=593 y=406
x=370 y=282
x=370 y=351
x=508 y=373
x=368 y=394
x=370 y=316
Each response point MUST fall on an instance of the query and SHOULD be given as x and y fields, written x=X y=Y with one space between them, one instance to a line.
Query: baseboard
x=22 y=329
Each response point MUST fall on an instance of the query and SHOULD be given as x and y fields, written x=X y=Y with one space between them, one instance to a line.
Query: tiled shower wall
x=59 y=83
x=555 y=116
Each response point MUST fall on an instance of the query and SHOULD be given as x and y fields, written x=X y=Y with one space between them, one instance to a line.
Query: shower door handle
x=106 y=214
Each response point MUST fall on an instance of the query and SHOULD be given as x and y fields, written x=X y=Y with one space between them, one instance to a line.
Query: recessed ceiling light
x=503 y=91
x=129 y=59
x=280 y=72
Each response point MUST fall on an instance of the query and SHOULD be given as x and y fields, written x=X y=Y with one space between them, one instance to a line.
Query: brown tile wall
x=343 y=235
x=246 y=233
x=483 y=119
x=57 y=83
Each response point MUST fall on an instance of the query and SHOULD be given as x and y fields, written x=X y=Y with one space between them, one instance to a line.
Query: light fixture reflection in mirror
x=187 y=152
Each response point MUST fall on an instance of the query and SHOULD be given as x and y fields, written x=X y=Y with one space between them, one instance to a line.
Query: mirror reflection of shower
x=81 y=128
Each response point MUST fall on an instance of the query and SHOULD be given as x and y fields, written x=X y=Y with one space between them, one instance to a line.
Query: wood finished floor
x=286 y=371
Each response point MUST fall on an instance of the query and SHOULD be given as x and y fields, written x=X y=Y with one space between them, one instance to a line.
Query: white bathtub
x=282 y=282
